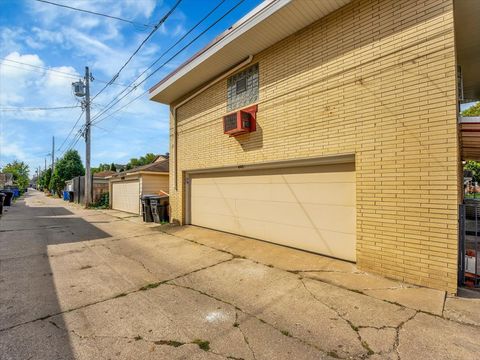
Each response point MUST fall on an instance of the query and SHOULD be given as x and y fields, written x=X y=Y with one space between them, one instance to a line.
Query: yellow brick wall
x=375 y=78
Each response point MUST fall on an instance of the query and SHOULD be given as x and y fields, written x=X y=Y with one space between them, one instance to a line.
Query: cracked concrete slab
x=381 y=341
x=423 y=299
x=431 y=337
x=463 y=310
x=280 y=299
x=43 y=340
x=268 y=343
x=355 y=281
x=166 y=313
x=359 y=309
x=270 y=254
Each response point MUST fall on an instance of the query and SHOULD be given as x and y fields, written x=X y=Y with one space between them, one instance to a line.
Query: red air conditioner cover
x=241 y=121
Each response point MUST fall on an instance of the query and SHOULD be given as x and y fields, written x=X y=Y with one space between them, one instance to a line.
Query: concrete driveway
x=88 y=284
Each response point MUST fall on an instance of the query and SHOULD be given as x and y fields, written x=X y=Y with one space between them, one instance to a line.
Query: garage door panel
x=328 y=193
x=311 y=208
x=332 y=218
x=219 y=222
x=215 y=206
x=272 y=212
x=126 y=196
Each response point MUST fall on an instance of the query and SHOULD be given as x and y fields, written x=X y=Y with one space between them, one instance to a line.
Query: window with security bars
x=242 y=88
x=230 y=122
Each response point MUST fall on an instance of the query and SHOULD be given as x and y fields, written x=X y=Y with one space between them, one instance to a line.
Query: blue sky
x=65 y=41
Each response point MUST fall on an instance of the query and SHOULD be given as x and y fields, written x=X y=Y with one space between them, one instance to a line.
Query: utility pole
x=88 y=177
x=45 y=164
x=53 y=153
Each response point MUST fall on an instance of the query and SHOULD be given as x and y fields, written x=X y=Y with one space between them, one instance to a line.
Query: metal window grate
x=230 y=122
x=242 y=88
x=241 y=85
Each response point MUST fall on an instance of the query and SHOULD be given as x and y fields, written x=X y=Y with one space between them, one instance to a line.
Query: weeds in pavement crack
x=245 y=339
x=202 y=344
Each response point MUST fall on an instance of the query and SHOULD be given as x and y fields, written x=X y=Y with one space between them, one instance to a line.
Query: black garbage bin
x=146 y=208
x=2 y=197
x=159 y=204
x=8 y=198
x=71 y=196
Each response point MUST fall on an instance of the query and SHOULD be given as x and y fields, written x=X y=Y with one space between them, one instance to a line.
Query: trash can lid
x=158 y=196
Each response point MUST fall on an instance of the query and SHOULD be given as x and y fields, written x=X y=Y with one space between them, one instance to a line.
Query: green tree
x=113 y=167
x=20 y=171
x=472 y=110
x=68 y=167
x=56 y=184
x=474 y=167
x=45 y=179
x=143 y=160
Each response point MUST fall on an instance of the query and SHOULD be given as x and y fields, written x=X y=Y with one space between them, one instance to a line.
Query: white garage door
x=126 y=196
x=311 y=208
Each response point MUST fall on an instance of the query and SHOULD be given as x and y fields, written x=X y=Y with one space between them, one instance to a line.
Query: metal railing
x=469 y=244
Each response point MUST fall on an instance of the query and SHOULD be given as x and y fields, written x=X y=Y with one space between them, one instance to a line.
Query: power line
x=160 y=22
x=164 y=53
x=65 y=74
x=75 y=139
x=38 y=108
x=38 y=67
x=70 y=133
x=97 y=13
x=160 y=67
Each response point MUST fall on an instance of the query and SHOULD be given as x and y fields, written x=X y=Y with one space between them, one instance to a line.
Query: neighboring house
x=348 y=143
x=6 y=179
x=128 y=186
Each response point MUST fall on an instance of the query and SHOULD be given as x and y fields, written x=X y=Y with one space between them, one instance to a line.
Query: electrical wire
x=132 y=83
x=97 y=13
x=157 y=26
x=65 y=74
x=160 y=67
x=75 y=139
x=38 y=108
x=70 y=133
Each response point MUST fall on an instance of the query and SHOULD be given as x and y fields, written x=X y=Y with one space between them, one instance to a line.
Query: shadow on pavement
x=28 y=290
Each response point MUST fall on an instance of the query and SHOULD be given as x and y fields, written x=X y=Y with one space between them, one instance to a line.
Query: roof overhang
x=467 y=43
x=137 y=173
x=267 y=24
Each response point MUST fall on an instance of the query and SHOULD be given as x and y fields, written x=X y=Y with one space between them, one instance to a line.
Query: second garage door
x=126 y=196
x=311 y=208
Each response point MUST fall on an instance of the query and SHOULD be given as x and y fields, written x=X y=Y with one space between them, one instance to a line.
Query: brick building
x=356 y=150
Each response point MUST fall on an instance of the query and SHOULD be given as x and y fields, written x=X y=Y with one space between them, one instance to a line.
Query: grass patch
x=369 y=351
x=169 y=343
x=150 y=286
x=286 y=333
x=236 y=324
x=353 y=327
x=138 y=337
x=202 y=344
x=120 y=295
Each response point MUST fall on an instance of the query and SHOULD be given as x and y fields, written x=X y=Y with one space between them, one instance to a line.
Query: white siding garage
x=126 y=196
x=311 y=208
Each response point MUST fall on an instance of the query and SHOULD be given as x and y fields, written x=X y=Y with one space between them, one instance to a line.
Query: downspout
x=245 y=62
